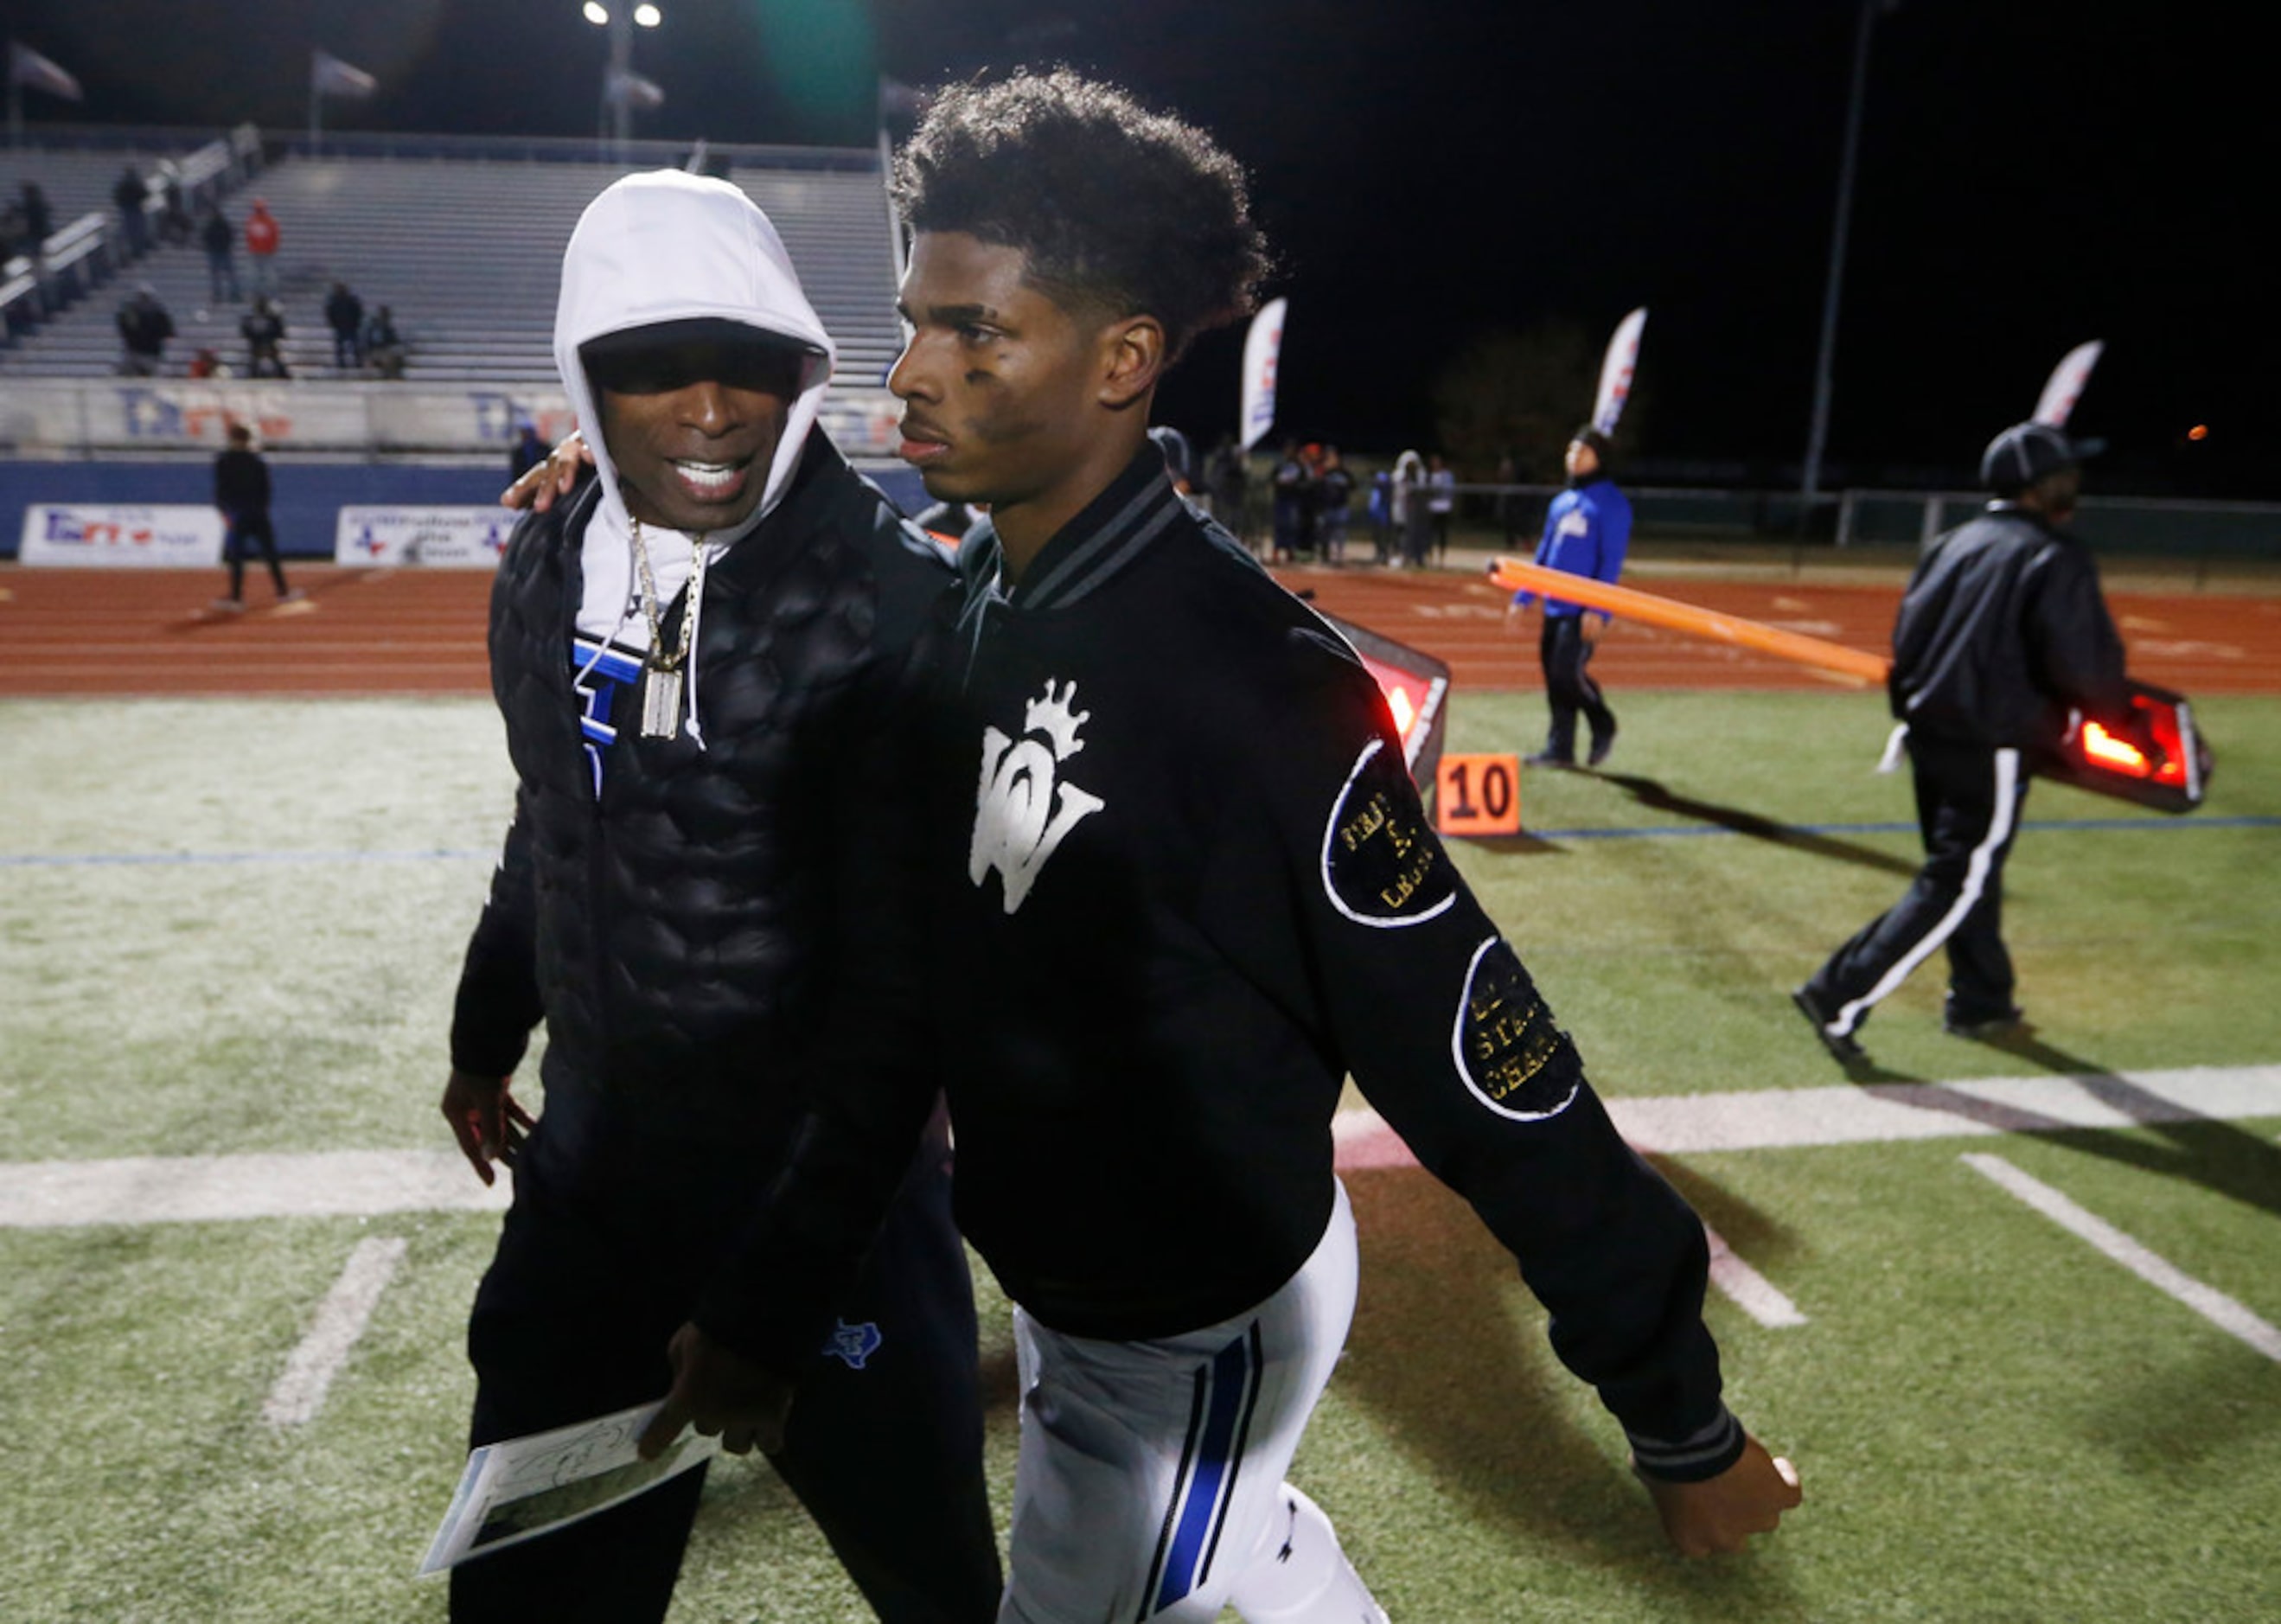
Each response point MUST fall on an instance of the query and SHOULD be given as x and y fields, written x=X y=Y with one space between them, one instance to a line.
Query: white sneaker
x=229 y=605
x=1302 y=1576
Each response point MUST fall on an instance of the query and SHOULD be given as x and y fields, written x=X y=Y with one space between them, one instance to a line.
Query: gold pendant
x=662 y=704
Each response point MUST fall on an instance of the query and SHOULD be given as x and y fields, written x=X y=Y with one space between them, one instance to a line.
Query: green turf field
x=252 y=946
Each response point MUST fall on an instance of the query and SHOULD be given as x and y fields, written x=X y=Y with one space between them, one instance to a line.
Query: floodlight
x=595 y=12
x=648 y=16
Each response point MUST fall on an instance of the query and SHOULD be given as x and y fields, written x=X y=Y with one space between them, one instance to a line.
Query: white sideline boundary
x=2212 y=1305
x=341 y=1319
x=373 y=1183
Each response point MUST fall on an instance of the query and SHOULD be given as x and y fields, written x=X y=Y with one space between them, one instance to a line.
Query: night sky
x=2033 y=173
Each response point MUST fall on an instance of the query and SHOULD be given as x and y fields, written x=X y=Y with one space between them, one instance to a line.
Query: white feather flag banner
x=2065 y=386
x=1263 y=349
x=1616 y=371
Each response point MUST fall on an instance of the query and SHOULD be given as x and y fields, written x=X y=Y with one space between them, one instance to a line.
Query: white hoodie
x=665 y=246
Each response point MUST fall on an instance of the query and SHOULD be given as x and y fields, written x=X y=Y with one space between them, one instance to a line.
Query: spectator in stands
x=39 y=219
x=131 y=194
x=219 y=238
x=206 y=364
x=144 y=326
x=1334 y=486
x=1440 y=501
x=528 y=451
x=15 y=236
x=1225 y=479
x=262 y=237
x=383 y=345
x=345 y=314
x=264 y=327
x=175 y=210
x=1410 y=512
x=1510 y=516
x=1381 y=514
x=1292 y=495
x=242 y=494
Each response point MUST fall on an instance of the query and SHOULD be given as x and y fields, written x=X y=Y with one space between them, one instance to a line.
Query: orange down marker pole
x=1517 y=574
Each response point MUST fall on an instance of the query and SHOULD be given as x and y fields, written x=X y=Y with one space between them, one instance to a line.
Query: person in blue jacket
x=1586 y=530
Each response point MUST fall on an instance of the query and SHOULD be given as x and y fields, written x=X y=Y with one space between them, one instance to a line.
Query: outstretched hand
x=1721 y=1513
x=542 y=482
x=486 y=1120
x=718 y=1391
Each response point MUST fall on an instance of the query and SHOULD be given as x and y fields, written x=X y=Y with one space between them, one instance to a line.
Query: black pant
x=1564 y=650
x=234 y=537
x=1968 y=801
x=603 y=1254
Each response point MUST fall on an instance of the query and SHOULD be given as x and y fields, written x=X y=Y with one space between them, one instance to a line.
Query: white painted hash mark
x=341 y=1319
x=2166 y=1277
x=1748 y=1289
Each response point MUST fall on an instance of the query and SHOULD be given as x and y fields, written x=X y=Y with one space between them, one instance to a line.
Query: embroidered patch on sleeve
x=1381 y=864
x=1505 y=1043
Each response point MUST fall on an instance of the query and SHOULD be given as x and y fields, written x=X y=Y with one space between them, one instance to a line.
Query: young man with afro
x=1186 y=887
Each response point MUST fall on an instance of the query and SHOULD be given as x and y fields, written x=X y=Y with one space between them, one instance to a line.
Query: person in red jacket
x=261 y=242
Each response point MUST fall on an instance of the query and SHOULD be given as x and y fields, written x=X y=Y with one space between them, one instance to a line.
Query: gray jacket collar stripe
x=1041 y=595
x=1116 y=561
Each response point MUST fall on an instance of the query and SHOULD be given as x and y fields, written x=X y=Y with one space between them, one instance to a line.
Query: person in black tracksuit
x=707 y=663
x=2002 y=645
x=241 y=495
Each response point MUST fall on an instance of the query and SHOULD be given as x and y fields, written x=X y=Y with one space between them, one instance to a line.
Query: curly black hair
x=1114 y=206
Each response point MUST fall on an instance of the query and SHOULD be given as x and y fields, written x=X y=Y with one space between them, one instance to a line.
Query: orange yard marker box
x=1477 y=794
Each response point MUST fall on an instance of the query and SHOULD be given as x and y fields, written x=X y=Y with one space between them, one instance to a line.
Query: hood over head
x=665 y=247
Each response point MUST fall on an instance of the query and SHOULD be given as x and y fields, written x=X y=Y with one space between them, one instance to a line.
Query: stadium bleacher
x=467 y=252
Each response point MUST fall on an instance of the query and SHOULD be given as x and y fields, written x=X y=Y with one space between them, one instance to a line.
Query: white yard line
x=341 y=1319
x=1748 y=1289
x=1786 y=1118
x=201 y=1188
x=2164 y=1276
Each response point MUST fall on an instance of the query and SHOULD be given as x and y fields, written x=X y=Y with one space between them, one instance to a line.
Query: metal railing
x=72 y=262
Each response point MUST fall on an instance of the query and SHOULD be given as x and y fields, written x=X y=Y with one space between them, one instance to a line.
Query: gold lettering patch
x=1382 y=864
x=1508 y=1050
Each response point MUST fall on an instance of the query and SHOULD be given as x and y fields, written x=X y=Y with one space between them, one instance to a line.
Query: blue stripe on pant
x=1227 y=1390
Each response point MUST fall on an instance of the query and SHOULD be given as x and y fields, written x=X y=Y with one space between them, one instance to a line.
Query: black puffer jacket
x=698 y=935
x=2003 y=630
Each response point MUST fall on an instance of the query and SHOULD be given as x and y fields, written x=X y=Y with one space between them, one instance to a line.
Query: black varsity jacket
x=1182 y=886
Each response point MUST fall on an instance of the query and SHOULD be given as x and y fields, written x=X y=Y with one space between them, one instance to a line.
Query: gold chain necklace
x=662 y=672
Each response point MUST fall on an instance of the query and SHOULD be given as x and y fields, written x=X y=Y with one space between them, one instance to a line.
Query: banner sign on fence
x=50 y=415
x=110 y=535
x=445 y=537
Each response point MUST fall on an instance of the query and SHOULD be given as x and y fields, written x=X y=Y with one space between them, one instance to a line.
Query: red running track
x=152 y=632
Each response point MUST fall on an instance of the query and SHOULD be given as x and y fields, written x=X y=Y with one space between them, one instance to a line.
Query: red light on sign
x=1405 y=713
x=1413 y=684
x=2151 y=753
x=2115 y=754
x=1407 y=694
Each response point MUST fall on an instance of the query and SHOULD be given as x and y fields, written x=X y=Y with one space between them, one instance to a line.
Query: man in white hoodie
x=709 y=662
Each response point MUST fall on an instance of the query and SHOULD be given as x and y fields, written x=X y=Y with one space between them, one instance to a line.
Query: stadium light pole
x=621 y=19
x=1817 y=436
